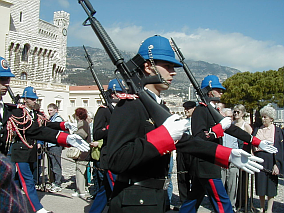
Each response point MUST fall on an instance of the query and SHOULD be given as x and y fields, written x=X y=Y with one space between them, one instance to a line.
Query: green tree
x=255 y=90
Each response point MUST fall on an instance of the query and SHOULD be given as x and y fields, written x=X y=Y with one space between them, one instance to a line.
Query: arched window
x=49 y=53
x=53 y=70
x=39 y=52
x=24 y=76
x=35 y=50
x=44 y=52
x=25 y=52
x=17 y=47
x=11 y=46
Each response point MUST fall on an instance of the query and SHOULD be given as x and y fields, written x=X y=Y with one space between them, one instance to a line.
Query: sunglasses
x=238 y=112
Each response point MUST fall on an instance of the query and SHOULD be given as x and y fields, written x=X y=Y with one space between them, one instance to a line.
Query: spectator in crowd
x=184 y=159
x=230 y=176
x=81 y=115
x=54 y=152
x=239 y=113
x=266 y=183
x=90 y=119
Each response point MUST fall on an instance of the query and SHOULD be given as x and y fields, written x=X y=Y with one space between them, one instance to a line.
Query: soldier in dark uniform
x=139 y=152
x=206 y=175
x=100 y=131
x=21 y=129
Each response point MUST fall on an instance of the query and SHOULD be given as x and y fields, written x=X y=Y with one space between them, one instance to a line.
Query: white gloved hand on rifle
x=176 y=126
x=245 y=161
x=70 y=126
x=76 y=141
x=267 y=146
x=226 y=123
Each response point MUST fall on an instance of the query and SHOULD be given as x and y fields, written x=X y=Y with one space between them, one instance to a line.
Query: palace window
x=24 y=76
x=11 y=46
x=99 y=102
x=72 y=103
x=25 y=52
x=39 y=101
x=85 y=103
x=17 y=47
x=21 y=16
x=58 y=104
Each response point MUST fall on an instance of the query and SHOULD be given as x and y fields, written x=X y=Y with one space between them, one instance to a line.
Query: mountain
x=77 y=73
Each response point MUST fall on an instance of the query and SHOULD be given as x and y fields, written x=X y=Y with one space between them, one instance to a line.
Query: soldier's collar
x=157 y=98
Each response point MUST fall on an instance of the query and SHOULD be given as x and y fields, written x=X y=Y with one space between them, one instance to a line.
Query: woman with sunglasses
x=238 y=113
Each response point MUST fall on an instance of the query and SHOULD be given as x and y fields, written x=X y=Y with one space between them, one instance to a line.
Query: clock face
x=64 y=32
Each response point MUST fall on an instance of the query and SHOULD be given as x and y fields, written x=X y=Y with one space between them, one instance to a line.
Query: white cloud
x=227 y=49
x=64 y=3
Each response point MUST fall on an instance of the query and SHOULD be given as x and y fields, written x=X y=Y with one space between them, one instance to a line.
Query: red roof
x=89 y=87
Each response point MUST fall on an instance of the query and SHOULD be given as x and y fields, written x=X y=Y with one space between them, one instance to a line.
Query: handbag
x=73 y=152
x=96 y=151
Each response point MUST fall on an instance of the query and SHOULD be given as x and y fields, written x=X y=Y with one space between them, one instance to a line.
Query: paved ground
x=63 y=202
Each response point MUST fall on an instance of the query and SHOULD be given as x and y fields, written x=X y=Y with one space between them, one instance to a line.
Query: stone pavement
x=63 y=202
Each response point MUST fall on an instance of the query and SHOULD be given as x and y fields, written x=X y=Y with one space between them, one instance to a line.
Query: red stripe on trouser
x=214 y=190
x=111 y=177
x=25 y=186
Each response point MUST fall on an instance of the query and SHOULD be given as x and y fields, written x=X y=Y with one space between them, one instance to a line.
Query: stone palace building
x=36 y=52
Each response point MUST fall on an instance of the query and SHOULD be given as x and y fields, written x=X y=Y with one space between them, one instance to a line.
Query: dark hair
x=81 y=113
x=52 y=105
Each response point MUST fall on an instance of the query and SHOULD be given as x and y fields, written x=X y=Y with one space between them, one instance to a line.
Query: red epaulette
x=126 y=96
x=204 y=104
x=21 y=106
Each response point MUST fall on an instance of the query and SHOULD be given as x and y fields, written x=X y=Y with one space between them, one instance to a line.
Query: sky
x=244 y=34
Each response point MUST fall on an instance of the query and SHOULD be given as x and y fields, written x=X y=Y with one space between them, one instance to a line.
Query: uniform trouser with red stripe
x=215 y=191
x=27 y=181
x=104 y=193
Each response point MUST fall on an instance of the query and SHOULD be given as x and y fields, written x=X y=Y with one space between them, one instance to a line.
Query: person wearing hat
x=206 y=175
x=100 y=131
x=19 y=129
x=139 y=152
x=184 y=159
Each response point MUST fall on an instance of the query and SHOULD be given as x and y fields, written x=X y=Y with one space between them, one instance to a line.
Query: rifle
x=106 y=95
x=131 y=72
x=267 y=171
x=14 y=98
x=201 y=93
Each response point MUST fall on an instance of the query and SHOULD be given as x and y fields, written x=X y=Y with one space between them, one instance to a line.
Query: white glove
x=245 y=161
x=267 y=146
x=226 y=123
x=78 y=142
x=70 y=126
x=175 y=126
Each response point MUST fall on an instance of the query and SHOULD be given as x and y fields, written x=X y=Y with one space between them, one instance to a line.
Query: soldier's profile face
x=4 y=83
x=30 y=102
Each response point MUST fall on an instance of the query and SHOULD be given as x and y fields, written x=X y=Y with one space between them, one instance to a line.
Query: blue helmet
x=213 y=81
x=5 y=70
x=161 y=49
x=29 y=92
x=114 y=85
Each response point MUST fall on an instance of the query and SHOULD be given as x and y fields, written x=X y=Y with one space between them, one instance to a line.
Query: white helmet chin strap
x=150 y=47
